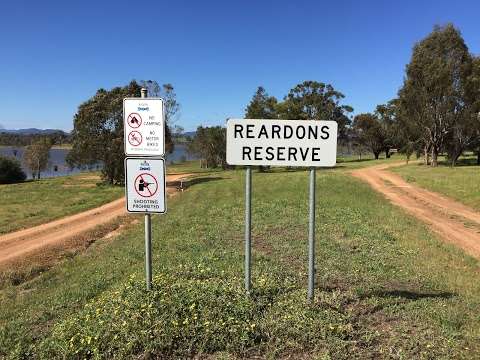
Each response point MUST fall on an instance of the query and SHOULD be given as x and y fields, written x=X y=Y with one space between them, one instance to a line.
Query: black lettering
x=313 y=132
x=280 y=153
x=304 y=155
x=300 y=134
x=257 y=153
x=292 y=153
x=285 y=136
x=238 y=129
x=250 y=128
x=326 y=134
x=246 y=151
x=270 y=153
x=316 y=154
x=263 y=131
x=276 y=130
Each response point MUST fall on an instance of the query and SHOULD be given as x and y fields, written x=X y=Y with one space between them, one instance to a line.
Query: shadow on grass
x=410 y=295
x=190 y=182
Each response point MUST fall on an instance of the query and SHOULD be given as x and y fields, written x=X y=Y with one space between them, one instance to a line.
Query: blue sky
x=56 y=54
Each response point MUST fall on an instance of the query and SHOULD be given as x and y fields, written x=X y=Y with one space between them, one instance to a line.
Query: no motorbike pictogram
x=135 y=138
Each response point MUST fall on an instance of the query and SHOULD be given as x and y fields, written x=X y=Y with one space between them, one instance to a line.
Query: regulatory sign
x=311 y=143
x=145 y=185
x=144 y=126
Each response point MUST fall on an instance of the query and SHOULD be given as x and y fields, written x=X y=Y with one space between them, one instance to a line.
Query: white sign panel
x=144 y=126
x=145 y=185
x=282 y=142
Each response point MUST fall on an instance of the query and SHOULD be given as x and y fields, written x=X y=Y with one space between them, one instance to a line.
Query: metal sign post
x=144 y=139
x=248 y=228
x=265 y=142
x=311 y=236
x=148 y=251
x=148 y=234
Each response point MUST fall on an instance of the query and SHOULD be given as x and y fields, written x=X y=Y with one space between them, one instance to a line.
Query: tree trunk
x=455 y=158
x=387 y=153
x=425 y=155
x=478 y=157
x=377 y=154
x=434 y=157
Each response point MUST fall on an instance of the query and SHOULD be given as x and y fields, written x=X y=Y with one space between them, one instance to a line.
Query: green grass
x=353 y=162
x=387 y=288
x=461 y=182
x=36 y=202
x=189 y=167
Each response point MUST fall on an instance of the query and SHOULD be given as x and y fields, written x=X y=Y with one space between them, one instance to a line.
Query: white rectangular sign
x=145 y=185
x=144 y=126
x=282 y=142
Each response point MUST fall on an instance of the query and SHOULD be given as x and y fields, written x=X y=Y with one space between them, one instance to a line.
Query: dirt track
x=30 y=240
x=445 y=216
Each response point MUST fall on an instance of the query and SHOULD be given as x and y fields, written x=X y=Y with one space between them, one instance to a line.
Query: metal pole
x=311 y=237
x=148 y=250
x=248 y=228
x=148 y=233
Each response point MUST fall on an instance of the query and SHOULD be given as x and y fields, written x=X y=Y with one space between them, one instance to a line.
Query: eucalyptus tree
x=433 y=94
x=97 y=135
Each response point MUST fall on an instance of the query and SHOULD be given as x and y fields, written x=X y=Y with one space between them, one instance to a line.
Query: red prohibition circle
x=142 y=176
x=134 y=120
x=134 y=138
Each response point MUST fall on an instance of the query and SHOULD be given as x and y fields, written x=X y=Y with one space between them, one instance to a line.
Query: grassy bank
x=387 y=288
x=461 y=182
x=36 y=202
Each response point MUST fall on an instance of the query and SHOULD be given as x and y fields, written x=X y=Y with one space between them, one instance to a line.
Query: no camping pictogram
x=134 y=120
x=134 y=138
x=146 y=185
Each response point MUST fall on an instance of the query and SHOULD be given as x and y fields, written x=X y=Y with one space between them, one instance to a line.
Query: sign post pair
x=302 y=143
x=145 y=186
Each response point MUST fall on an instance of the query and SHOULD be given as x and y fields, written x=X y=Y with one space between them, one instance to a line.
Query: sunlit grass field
x=461 y=182
x=36 y=202
x=386 y=287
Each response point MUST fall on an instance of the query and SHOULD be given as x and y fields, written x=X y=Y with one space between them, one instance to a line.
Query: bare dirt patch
x=445 y=216
x=56 y=236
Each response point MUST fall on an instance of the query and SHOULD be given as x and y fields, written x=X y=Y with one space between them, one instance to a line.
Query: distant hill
x=32 y=131
x=189 y=133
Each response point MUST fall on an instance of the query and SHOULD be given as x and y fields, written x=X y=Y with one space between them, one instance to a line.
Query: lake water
x=57 y=165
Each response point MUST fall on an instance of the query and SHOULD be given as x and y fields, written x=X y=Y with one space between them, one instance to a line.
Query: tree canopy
x=435 y=93
x=36 y=155
x=98 y=127
x=210 y=144
x=10 y=171
x=309 y=100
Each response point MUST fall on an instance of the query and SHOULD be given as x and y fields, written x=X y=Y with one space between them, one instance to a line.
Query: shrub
x=10 y=171
x=197 y=309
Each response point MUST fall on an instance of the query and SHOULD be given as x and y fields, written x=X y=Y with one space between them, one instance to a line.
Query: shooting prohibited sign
x=145 y=185
x=144 y=126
